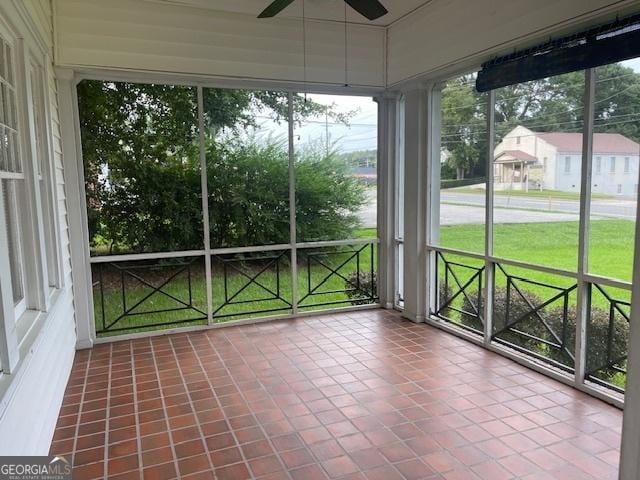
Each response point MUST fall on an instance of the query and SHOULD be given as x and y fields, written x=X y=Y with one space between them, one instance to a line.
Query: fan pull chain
x=346 y=52
x=304 y=50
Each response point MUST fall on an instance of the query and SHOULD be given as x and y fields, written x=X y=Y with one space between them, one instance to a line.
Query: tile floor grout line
x=164 y=407
x=193 y=409
x=107 y=414
x=80 y=405
x=235 y=384
x=136 y=411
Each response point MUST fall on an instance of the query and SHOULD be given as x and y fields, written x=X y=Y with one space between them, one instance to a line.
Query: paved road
x=466 y=214
x=369 y=212
x=468 y=208
x=606 y=208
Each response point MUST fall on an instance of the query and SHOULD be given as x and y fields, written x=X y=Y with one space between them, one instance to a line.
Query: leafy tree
x=463 y=128
x=551 y=104
x=616 y=101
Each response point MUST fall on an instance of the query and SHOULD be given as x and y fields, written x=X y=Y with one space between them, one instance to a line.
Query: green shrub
x=530 y=324
x=467 y=319
x=360 y=288
x=597 y=332
x=157 y=206
x=598 y=340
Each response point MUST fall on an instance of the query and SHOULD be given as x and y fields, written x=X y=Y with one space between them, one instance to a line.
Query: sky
x=360 y=134
x=635 y=64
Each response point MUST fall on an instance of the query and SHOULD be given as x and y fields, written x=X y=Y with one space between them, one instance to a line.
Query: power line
x=519 y=96
x=570 y=130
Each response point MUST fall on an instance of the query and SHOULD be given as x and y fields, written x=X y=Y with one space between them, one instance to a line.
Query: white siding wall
x=143 y=36
x=607 y=182
x=567 y=181
x=447 y=32
x=35 y=393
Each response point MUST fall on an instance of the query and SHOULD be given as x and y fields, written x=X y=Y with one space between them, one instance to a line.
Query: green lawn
x=269 y=293
x=553 y=244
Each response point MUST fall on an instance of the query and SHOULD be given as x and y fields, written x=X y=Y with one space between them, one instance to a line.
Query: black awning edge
x=610 y=43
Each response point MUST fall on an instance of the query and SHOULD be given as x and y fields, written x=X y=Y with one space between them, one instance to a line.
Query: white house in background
x=552 y=160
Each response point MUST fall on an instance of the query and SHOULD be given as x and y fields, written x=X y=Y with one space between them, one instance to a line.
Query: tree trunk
x=460 y=173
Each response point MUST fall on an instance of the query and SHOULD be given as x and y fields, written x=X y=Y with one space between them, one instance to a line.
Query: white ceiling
x=313 y=9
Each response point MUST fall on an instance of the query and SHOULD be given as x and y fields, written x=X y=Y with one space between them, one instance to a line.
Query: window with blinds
x=11 y=174
x=45 y=171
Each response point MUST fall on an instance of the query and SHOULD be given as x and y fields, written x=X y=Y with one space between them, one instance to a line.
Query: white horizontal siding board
x=40 y=13
x=167 y=38
x=150 y=52
x=28 y=423
x=34 y=394
x=447 y=31
x=232 y=34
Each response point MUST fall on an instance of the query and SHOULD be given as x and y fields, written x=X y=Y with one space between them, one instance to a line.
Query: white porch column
x=74 y=185
x=630 y=451
x=415 y=158
x=387 y=127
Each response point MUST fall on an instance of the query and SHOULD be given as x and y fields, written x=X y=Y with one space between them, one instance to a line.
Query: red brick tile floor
x=362 y=395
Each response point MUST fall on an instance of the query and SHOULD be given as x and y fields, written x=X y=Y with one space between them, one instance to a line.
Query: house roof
x=515 y=155
x=613 y=143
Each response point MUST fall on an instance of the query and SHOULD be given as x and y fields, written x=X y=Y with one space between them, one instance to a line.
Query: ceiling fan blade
x=275 y=8
x=370 y=9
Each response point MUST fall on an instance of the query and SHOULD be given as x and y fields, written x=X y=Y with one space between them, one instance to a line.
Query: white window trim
x=52 y=255
x=20 y=325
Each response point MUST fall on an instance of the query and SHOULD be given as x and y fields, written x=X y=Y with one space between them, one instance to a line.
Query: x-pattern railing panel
x=522 y=320
x=257 y=276
x=451 y=288
x=347 y=271
x=139 y=293
x=607 y=339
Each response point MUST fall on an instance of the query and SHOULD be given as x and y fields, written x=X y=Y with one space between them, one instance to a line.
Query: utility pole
x=326 y=128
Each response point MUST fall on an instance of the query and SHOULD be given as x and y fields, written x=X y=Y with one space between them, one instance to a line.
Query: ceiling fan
x=370 y=9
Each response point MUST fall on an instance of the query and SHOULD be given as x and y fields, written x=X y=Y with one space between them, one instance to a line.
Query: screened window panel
x=462 y=167
x=142 y=167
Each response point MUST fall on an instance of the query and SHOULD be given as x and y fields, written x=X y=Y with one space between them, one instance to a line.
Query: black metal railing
x=334 y=276
x=251 y=284
x=458 y=293
x=154 y=293
x=535 y=318
x=607 y=338
x=146 y=294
